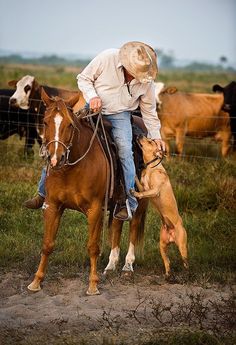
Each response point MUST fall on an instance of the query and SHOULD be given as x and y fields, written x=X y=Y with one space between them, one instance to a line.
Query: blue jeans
x=41 y=185
x=122 y=134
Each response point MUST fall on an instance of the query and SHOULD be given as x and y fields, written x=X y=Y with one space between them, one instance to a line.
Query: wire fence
x=20 y=130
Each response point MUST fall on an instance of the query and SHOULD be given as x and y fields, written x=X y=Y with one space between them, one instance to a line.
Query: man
x=116 y=82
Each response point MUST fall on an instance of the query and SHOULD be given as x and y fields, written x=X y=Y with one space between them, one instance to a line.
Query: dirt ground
x=128 y=310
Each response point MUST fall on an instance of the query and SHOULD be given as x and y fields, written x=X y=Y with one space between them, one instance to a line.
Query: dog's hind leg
x=163 y=249
x=181 y=242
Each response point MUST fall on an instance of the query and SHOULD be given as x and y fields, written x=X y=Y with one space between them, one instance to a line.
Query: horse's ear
x=12 y=83
x=73 y=100
x=45 y=98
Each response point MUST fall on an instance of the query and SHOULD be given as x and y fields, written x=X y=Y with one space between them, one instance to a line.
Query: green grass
x=205 y=189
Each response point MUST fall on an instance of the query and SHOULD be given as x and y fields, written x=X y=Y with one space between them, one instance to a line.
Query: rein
x=91 y=141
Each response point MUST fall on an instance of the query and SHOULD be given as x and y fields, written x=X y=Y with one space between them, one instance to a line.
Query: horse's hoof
x=128 y=268
x=171 y=279
x=92 y=292
x=106 y=272
x=32 y=287
x=109 y=272
x=127 y=273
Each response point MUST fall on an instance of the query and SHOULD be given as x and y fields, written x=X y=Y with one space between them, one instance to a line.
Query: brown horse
x=77 y=179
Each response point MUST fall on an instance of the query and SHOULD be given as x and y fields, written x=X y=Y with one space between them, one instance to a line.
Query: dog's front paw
x=132 y=191
x=136 y=194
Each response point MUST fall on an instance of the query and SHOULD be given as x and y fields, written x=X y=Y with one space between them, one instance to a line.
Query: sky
x=200 y=30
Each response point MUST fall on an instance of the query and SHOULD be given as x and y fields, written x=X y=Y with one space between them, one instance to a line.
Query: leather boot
x=34 y=203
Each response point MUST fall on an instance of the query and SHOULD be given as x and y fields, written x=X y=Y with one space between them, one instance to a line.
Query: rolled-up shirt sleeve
x=149 y=113
x=87 y=77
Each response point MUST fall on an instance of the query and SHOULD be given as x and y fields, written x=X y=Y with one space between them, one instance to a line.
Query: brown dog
x=155 y=184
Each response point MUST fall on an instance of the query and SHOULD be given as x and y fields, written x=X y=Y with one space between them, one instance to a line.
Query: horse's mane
x=77 y=119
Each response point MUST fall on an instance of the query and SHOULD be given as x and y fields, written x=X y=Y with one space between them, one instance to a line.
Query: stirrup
x=118 y=208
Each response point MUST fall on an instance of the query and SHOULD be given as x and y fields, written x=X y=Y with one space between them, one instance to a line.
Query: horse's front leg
x=52 y=216
x=95 y=226
x=116 y=228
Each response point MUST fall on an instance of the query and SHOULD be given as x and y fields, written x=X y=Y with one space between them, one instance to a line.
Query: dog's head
x=149 y=148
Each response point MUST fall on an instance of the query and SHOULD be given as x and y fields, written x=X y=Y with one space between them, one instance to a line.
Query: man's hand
x=95 y=104
x=161 y=146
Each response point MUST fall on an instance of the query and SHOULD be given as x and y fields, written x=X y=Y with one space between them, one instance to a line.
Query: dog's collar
x=145 y=165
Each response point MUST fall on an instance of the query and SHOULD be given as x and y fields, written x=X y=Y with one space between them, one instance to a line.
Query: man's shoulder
x=110 y=52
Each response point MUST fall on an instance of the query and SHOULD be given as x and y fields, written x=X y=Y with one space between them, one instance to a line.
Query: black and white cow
x=27 y=96
x=17 y=121
x=229 y=92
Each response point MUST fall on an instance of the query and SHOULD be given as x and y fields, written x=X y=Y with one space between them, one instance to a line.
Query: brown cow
x=197 y=115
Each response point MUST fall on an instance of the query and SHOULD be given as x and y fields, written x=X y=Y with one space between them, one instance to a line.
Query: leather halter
x=145 y=165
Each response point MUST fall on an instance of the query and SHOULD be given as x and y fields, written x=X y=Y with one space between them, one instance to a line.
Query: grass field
x=204 y=186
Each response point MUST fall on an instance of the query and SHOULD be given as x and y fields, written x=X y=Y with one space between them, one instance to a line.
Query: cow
x=17 y=121
x=27 y=96
x=197 y=115
x=229 y=93
x=159 y=86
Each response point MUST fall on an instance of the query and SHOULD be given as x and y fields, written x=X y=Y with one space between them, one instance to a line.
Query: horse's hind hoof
x=171 y=279
x=127 y=274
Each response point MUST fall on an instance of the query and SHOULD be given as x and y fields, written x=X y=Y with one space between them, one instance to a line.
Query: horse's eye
x=27 y=88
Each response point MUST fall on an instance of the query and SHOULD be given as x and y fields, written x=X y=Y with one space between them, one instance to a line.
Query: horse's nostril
x=63 y=157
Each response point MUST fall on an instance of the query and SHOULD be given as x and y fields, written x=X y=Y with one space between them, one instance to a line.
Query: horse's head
x=58 y=129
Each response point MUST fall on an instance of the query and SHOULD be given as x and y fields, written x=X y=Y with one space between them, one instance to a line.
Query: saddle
x=117 y=192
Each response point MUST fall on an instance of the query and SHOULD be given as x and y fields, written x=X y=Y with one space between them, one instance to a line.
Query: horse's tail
x=138 y=222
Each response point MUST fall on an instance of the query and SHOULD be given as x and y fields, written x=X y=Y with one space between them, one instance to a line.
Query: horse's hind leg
x=116 y=228
x=52 y=216
x=135 y=234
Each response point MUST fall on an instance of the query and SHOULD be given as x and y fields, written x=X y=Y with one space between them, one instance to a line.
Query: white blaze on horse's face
x=22 y=93
x=58 y=119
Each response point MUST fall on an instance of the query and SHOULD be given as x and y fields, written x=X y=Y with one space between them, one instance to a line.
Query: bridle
x=44 y=153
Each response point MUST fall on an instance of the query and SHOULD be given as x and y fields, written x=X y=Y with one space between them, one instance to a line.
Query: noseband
x=44 y=153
